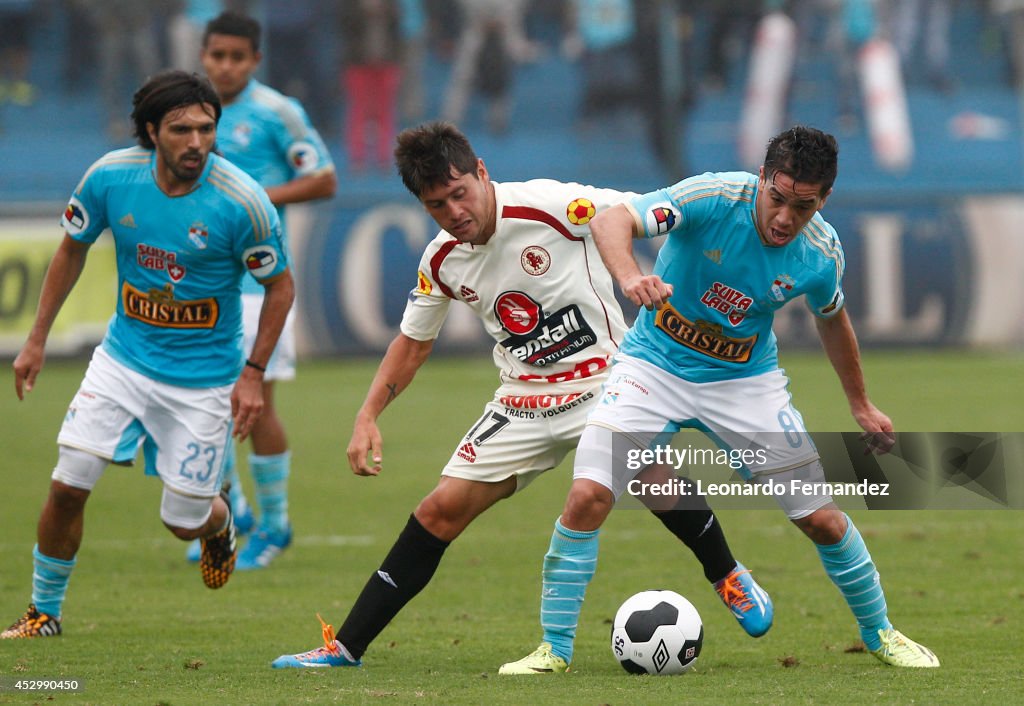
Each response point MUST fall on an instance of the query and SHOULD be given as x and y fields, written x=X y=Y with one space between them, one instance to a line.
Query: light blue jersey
x=726 y=284
x=271 y=138
x=180 y=263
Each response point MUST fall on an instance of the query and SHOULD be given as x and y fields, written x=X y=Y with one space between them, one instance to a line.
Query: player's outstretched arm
x=613 y=231
x=840 y=343
x=396 y=370
x=247 y=396
x=61 y=275
x=321 y=185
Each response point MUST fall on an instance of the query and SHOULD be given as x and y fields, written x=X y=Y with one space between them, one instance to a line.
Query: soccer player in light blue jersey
x=270 y=137
x=702 y=355
x=169 y=376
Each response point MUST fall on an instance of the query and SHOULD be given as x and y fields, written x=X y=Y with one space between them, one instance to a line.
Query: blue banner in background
x=914 y=275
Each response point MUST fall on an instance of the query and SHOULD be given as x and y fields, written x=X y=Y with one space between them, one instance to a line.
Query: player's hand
x=247 y=401
x=365 y=448
x=878 y=436
x=26 y=367
x=648 y=291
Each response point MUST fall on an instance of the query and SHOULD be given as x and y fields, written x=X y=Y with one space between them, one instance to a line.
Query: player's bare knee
x=824 y=526
x=587 y=506
x=67 y=499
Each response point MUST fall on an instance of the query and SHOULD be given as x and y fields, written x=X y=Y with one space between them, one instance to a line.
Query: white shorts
x=522 y=436
x=183 y=431
x=750 y=416
x=282 y=362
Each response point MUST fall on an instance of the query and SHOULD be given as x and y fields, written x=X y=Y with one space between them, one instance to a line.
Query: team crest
x=302 y=157
x=535 y=260
x=260 y=261
x=198 y=235
x=75 y=219
x=423 y=285
x=242 y=135
x=661 y=218
x=780 y=287
x=580 y=211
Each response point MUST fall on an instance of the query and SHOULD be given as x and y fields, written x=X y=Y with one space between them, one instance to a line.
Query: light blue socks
x=849 y=566
x=569 y=566
x=50 y=582
x=270 y=474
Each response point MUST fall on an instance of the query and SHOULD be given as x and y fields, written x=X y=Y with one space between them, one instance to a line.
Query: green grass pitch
x=140 y=627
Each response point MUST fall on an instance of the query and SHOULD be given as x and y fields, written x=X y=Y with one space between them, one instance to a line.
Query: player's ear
x=257 y=57
x=481 y=170
x=151 y=130
x=824 y=199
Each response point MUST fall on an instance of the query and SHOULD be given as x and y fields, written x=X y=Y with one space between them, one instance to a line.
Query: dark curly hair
x=805 y=154
x=431 y=154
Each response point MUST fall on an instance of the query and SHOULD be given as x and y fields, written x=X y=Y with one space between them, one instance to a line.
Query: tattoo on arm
x=392 y=390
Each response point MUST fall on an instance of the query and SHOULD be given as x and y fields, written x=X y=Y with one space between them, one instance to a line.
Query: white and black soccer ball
x=657 y=632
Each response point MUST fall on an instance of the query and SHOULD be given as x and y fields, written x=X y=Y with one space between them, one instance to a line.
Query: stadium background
x=933 y=250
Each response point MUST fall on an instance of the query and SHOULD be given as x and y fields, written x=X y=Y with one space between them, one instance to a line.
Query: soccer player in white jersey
x=271 y=138
x=169 y=376
x=702 y=354
x=519 y=255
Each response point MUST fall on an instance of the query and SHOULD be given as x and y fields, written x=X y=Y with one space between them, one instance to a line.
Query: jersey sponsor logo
x=518 y=313
x=260 y=260
x=423 y=285
x=780 y=287
x=75 y=219
x=154 y=258
x=128 y=221
x=580 y=371
x=580 y=211
x=198 y=235
x=541 y=341
x=727 y=300
x=467 y=452
x=468 y=295
x=548 y=405
x=302 y=156
x=158 y=307
x=535 y=260
x=703 y=336
x=661 y=218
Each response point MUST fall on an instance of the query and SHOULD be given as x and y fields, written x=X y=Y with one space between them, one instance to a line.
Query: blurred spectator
x=15 y=52
x=300 y=51
x=185 y=31
x=127 y=54
x=413 y=26
x=371 y=48
x=492 y=40
x=908 y=19
x=602 y=34
x=1011 y=15
x=730 y=32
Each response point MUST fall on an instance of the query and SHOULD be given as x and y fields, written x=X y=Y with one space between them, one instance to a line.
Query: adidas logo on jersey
x=714 y=255
x=128 y=221
x=468 y=295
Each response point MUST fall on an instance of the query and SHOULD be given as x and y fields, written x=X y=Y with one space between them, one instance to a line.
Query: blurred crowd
x=359 y=65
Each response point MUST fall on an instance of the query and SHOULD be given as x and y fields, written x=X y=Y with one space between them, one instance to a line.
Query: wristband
x=255 y=365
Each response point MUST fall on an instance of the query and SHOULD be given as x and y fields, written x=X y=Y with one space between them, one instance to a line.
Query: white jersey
x=538 y=285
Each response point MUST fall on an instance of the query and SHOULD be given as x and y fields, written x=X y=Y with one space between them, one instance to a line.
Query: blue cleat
x=749 y=603
x=330 y=655
x=263 y=548
x=243 y=526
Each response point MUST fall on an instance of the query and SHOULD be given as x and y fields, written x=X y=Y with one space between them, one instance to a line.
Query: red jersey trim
x=435 y=266
x=528 y=213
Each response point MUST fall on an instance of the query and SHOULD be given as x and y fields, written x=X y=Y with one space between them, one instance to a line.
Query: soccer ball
x=657 y=632
x=580 y=211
